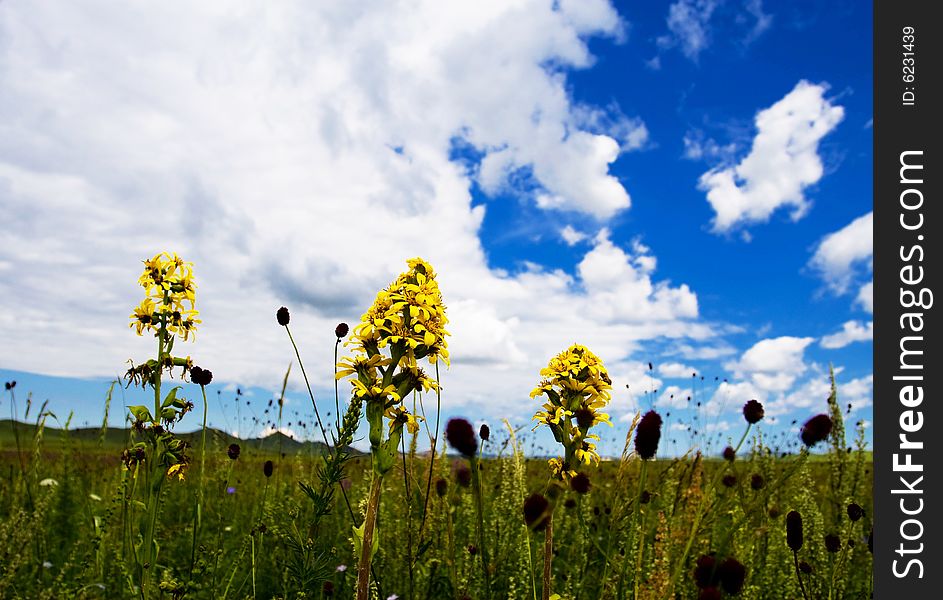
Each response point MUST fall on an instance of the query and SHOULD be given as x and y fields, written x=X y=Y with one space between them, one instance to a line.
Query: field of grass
x=148 y=513
x=64 y=524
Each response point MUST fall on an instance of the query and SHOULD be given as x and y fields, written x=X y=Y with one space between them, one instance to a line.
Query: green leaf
x=358 y=540
x=140 y=413
x=170 y=397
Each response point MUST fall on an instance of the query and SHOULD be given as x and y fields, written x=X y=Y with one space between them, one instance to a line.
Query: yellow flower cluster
x=169 y=298
x=409 y=313
x=576 y=386
x=408 y=320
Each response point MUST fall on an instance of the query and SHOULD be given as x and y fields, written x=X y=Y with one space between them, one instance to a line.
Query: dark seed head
x=832 y=543
x=816 y=430
x=282 y=316
x=267 y=468
x=709 y=593
x=201 y=376
x=731 y=573
x=774 y=512
x=729 y=480
x=327 y=588
x=461 y=436
x=794 y=531
x=646 y=497
x=705 y=571
x=472 y=549
x=484 y=432
x=341 y=330
x=757 y=482
x=871 y=541
x=441 y=487
x=729 y=454
x=855 y=512
x=536 y=511
x=753 y=412
x=233 y=451
x=805 y=567
x=463 y=476
x=580 y=484
x=569 y=503
x=647 y=434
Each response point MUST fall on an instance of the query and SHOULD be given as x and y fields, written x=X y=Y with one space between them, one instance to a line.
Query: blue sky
x=686 y=184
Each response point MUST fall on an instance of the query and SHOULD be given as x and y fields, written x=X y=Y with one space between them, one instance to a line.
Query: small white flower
x=393 y=597
x=49 y=481
x=227 y=528
x=95 y=497
x=47 y=564
x=341 y=568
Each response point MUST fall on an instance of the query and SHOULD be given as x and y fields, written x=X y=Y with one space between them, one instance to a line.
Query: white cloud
x=675 y=397
x=781 y=164
x=762 y=20
x=571 y=236
x=689 y=26
x=697 y=146
x=840 y=252
x=852 y=331
x=772 y=364
x=274 y=147
x=676 y=370
x=812 y=396
x=865 y=297
x=631 y=133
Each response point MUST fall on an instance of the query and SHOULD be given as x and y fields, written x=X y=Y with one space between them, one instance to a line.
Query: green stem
x=479 y=509
x=435 y=438
x=795 y=557
x=698 y=515
x=366 y=550
x=198 y=513
x=548 y=558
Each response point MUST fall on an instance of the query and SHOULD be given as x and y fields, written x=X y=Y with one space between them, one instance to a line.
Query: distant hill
x=118 y=438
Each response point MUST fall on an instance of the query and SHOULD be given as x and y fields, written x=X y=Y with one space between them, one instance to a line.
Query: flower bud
x=282 y=316
x=794 y=531
x=341 y=330
x=855 y=512
x=753 y=412
x=816 y=430
x=647 y=434
x=461 y=436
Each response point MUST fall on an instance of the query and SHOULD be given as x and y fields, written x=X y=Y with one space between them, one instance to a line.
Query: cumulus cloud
x=772 y=364
x=808 y=395
x=298 y=154
x=675 y=397
x=782 y=163
x=571 y=235
x=851 y=331
x=813 y=394
x=676 y=370
x=843 y=255
x=865 y=297
x=839 y=252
